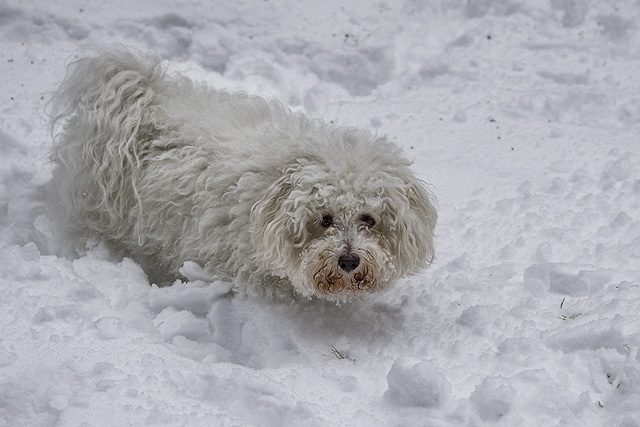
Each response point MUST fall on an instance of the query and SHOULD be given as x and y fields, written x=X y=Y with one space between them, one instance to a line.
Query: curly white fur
x=174 y=171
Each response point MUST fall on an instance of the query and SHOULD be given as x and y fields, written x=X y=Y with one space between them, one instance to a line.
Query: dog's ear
x=271 y=232
x=415 y=226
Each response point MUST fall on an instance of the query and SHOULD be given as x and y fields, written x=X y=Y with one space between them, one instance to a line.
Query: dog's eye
x=326 y=221
x=368 y=220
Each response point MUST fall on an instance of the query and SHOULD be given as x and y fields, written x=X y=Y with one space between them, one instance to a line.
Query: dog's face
x=338 y=233
x=347 y=253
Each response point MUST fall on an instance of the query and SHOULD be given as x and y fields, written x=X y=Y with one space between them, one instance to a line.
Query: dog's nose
x=349 y=262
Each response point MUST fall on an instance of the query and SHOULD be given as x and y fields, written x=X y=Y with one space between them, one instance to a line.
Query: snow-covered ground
x=523 y=115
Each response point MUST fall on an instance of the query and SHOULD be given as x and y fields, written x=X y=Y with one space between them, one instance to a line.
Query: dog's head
x=345 y=222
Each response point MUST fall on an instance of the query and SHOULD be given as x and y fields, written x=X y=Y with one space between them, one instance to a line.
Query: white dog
x=174 y=171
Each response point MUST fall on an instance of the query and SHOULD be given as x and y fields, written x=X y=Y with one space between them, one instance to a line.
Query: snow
x=415 y=382
x=523 y=116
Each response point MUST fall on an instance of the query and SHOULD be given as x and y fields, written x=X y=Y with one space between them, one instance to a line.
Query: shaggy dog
x=174 y=171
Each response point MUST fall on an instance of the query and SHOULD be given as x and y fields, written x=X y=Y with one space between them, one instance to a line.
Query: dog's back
x=144 y=160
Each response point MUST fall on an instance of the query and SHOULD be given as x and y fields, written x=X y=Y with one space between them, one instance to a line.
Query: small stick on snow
x=337 y=353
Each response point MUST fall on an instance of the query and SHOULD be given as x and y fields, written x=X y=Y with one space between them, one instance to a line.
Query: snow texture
x=522 y=115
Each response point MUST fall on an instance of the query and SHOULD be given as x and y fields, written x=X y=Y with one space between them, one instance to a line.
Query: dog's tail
x=103 y=121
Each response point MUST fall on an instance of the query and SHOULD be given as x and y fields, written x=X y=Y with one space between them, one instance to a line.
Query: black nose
x=348 y=262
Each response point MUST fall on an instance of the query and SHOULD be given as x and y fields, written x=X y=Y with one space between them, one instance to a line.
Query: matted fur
x=175 y=171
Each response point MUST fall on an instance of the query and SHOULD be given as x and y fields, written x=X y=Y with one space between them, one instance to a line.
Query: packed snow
x=521 y=115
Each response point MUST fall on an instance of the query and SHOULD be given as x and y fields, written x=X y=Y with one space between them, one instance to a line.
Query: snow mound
x=416 y=382
x=493 y=398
